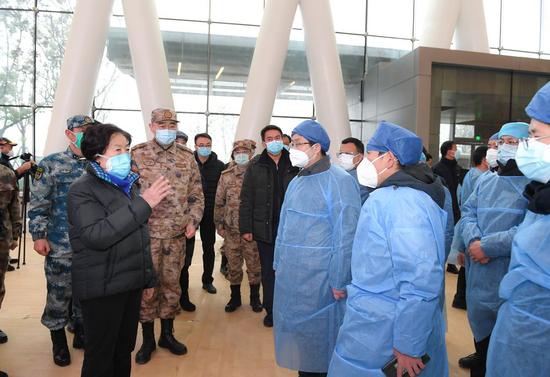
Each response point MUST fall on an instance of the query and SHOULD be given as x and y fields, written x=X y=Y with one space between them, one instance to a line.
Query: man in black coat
x=264 y=186
x=211 y=169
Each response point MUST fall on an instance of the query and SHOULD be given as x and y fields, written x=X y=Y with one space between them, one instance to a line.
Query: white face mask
x=10 y=153
x=367 y=174
x=506 y=152
x=492 y=157
x=345 y=160
x=298 y=158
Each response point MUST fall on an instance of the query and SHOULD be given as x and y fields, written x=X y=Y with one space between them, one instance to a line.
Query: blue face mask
x=204 y=151
x=241 y=158
x=118 y=165
x=506 y=152
x=533 y=160
x=275 y=147
x=165 y=137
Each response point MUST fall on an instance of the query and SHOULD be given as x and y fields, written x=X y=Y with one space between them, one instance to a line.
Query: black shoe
x=10 y=268
x=255 y=298
x=70 y=326
x=3 y=337
x=148 y=347
x=208 y=287
x=185 y=304
x=14 y=260
x=452 y=269
x=459 y=303
x=470 y=361
x=78 y=340
x=235 y=301
x=3 y=374
x=268 y=320
x=167 y=339
x=61 y=355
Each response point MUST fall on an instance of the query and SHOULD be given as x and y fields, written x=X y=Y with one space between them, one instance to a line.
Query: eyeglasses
x=508 y=141
x=294 y=145
x=525 y=141
x=346 y=153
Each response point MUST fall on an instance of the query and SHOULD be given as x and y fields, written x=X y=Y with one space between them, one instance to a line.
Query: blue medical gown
x=313 y=255
x=364 y=190
x=491 y=214
x=397 y=278
x=521 y=337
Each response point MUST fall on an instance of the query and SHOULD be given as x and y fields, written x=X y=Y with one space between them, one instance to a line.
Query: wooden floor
x=220 y=344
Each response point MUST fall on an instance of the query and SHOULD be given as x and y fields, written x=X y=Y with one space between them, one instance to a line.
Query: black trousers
x=461 y=284
x=482 y=347
x=310 y=374
x=110 y=325
x=267 y=251
x=184 y=277
x=208 y=238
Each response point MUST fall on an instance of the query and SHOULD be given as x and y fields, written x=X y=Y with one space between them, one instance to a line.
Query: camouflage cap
x=5 y=140
x=79 y=121
x=164 y=115
x=181 y=134
x=245 y=143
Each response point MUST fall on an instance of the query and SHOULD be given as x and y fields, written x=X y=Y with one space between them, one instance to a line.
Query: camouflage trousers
x=236 y=249
x=59 y=299
x=4 y=260
x=168 y=257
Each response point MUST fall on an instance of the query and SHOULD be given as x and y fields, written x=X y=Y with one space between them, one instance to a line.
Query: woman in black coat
x=111 y=257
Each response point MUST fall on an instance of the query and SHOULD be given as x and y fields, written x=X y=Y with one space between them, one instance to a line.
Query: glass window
x=492 y=20
x=238 y=11
x=16 y=50
x=192 y=124
x=19 y=4
x=222 y=130
x=286 y=124
x=385 y=50
x=130 y=121
x=231 y=57
x=17 y=126
x=533 y=55
x=465 y=131
x=351 y=49
x=356 y=129
x=43 y=118
x=521 y=25
x=391 y=18
x=57 y=5
x=180 y=9
x=545 y=33
x=53 y=30
x=349 y=15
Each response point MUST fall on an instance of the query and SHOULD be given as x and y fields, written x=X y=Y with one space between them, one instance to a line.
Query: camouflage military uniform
x=169 y=219
x=48 y=220
x=226 y=218
x=10 y=221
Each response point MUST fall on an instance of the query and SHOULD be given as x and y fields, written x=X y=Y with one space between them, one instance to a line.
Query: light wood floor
x=220 y=344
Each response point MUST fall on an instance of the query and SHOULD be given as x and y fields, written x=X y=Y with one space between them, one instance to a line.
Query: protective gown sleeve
x=498 y=244
x=470 y=227
x=418 y=274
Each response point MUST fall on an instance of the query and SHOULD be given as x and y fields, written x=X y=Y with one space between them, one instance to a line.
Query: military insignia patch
x=38 y=174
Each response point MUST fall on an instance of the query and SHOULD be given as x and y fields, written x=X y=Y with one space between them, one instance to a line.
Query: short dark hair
x=204 y=134
x=427 y=154
x=97 y=137
x=287 y=136
x=479 y=154
x=270 y=127
x=358 y=144
x=446 y=146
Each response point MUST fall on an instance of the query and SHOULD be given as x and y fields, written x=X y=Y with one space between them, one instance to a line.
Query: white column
x=266 y=69
x=325 y=70
x=83 y=53
x=439 y=23
x=148 y=57
x=471 y=28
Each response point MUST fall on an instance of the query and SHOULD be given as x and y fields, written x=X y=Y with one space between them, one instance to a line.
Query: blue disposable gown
x=364 y=190
x=521 y=337
x=491 y=214
x=394 y=300
x=312 y=256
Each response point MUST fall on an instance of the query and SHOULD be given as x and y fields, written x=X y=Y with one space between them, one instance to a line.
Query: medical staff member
x=313 y=254
x=521 y=337
x=489 y=222
x=393 y=307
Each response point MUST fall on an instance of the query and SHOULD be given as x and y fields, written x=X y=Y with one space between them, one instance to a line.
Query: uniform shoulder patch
x=139 y=146
x=38 y=173
x=183 y=148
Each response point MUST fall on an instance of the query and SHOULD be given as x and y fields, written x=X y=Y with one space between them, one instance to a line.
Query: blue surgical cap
x=494 y=136
x=539 y=107
x=313 y=132
x=404 y=144
x=518 y=130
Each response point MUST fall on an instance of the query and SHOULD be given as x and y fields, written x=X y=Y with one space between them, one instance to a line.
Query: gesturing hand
x=159 y=190
x=413 y=365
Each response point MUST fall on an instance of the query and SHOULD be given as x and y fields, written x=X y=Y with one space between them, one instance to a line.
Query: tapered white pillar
x=471 y=28
x=148 y=57
x=439 y=23
x=79 y=69
x=325 y=70
x=266 y=69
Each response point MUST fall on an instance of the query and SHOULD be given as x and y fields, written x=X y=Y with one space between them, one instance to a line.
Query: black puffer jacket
x=210 y=173
x=109 y=238
x=262 y=195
